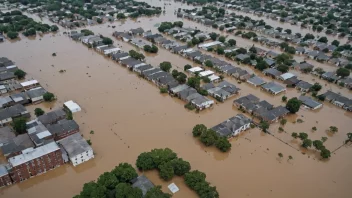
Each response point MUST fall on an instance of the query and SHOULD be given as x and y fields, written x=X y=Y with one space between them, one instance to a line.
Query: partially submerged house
x=273 y=88
x=309 y=103
x=233 y=126
x=36 y=94
x=338 y=100
x=256 y=81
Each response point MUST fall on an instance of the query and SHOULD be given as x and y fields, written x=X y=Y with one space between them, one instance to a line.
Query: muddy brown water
x=130 y=116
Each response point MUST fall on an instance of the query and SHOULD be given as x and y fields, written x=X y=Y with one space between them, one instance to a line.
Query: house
x=338 y=100
x=95 y=40
x=72 y=106
x=151 y=71
x=223 y=91
x=4 y=62
x=140 y=43
x=213 y=44
x=176 y=90
x=291 y=82
x=242 y=57
x=77 y=149
x=233 y=126
x=178 y=49
x=308 y=102
x=330 y=76
x=6 y=102
x=34 y=161
x=347 y=82
x=322 y=57
x=122 y=35
x=131 y=62
x=270 y=62
x=303 y=86
x=247 y=103
x=6 y=135
x=195 y=70
x=3 y=89
x=38 y=133
x=142 y=68
x=8 y=114
x=5 y=179
x=300 y=50
x=6 y=77
x=272 y=72
x=286 y=76
x=256 y=81
x=20 y=98
x=29 y=84
x=273 y=88
x=120 y=56
x=304 y=67
x=272 y=54
x=201 y=102
x=143 y=183
x=36 y=95
x=167 y=82
x=85 y=39
x=107 y=50
x=138 y=31
x=206 y=73
x=15 y=145
x=274 y=114
x=52 y=117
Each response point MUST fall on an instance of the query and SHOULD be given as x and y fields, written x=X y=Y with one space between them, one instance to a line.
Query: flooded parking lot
x=130 y=116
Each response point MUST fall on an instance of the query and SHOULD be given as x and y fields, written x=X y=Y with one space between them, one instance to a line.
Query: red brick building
x=63 y=128
x=5 y=179
x=34 y=162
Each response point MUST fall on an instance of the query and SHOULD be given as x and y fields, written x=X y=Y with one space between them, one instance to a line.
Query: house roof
x=6 y=76
x=36 y=92
x=30 y=154
x=143 y=183
x=274 y=87
x=3 y=170
x=229 y=126
x=17 y=97
x=272 y=71
x=304 y=85
x=74 y=145
x=72 y=106
x=286 y=76
x=12 y=111
x=308 y=101
x=6 y=135
x=179 y=88
x=256 y=80
x=52 y=116
x=63 y=126
x=17 y=144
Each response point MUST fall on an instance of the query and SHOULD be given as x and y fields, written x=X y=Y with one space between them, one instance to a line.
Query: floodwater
x=130 y=116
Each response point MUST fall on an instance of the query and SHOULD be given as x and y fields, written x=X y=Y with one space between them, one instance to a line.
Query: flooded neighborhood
x=261 y=111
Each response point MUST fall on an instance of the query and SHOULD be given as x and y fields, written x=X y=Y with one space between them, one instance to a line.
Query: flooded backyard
x=130 y=116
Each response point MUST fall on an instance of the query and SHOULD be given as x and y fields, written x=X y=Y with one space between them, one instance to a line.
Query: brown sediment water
x=130 y=116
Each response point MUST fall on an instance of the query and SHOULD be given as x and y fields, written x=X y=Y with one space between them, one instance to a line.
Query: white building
x=206 y=73
x=72 y=106
x=29 y=84
x=77 y=149
x=195 y=69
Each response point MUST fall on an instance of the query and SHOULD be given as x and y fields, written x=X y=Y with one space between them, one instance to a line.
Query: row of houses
x=50 y=141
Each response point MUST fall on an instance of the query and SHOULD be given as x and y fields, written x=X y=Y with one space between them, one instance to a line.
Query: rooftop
x=143 y=183
x=72 y=106
x=75 y=144
x=30 y=154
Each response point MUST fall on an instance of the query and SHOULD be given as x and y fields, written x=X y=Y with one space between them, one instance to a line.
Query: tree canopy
x=165 y=66
x=293 y=105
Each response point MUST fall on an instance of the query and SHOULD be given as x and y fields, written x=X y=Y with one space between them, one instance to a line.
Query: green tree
x=161 y=156
x=12 y=35
x=323 y=39
x=124 y=190
x=107 y=41
x=154 y=49
x=213 y=36
x=198 y=130
x=288 y=31
x=232 y=42
x=92 y=189
x=54 y=28
x=174 y=73
x=303 y=136
x=193 y=178
x=20 y=74
x=120 y=16
x=220 y=51
x=108 y=180
x=19 y=124
x=280 y=155
x=290 y=157
x=180 y=166
x=124 y=172
x=294 y=135
x=156 y=192
x=223 y=144
x=264 y=125
x=318 y=144
x=335 y=42
x=333 y=129
x=323 y=139
x=284 y=98
x=293 y=105
x=165 y=66
x=314 y=128
x=307 y=143
x=283 y=121
x=325 y=153
x=145 y=161
x=48 y=96
x=315 y=87
x=181 y=78
x=208 y=63
x=195 y=41
x=187 y=67
x=69 y=115
x=38 y=112
x=343 y=72
x=99 y=20
x=208 y=137
x=194 y=82
x=166 y=171
x=222 y=39
x=261 y=65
